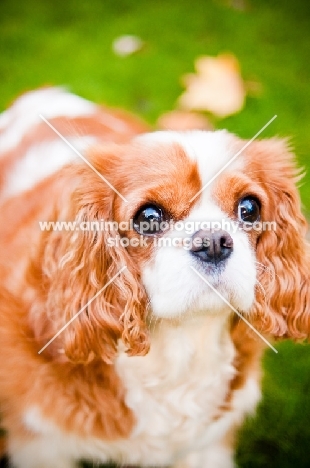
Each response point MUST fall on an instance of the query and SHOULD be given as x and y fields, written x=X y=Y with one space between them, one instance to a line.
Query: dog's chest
x=175 y=393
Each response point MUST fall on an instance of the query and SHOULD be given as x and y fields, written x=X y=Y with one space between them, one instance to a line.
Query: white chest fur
x=175 y=392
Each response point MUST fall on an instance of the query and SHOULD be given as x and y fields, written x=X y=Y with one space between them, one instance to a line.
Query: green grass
x=69 y=43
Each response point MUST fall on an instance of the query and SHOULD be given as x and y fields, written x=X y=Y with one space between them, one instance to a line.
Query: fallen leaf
x=183 y=120
x=217 y=87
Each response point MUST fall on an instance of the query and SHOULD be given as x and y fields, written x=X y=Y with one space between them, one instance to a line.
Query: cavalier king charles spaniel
x=142 y=277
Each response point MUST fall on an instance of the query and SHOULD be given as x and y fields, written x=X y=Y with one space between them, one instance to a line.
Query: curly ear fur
x=284 y=254
x=77 y=265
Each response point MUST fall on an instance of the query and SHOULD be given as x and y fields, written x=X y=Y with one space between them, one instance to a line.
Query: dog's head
x=184 y=223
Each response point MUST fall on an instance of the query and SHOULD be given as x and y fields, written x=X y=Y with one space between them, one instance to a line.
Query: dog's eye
x=148 y=220
x=249 y=209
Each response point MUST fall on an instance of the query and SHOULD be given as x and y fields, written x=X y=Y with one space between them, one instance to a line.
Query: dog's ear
x=283 y=254
x=91 y=286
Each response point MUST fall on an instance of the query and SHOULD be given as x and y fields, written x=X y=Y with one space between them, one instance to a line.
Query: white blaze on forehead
x=211 y=150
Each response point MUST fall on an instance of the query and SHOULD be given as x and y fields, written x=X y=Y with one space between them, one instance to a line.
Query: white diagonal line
x=83 y=308
x=235 y=310
x=82 y=157
x=233 y=158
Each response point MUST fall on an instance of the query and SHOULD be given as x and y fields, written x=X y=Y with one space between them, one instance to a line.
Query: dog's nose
x=212 y=247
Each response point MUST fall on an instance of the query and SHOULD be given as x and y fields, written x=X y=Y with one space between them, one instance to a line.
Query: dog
x=143 y=274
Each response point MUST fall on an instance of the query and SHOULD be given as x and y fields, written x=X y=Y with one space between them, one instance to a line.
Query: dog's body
x=158 y=370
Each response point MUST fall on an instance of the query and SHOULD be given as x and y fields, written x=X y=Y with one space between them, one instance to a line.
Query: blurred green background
x=70 y=43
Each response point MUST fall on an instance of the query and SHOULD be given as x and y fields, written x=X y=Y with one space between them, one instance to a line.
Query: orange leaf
x=217 y=87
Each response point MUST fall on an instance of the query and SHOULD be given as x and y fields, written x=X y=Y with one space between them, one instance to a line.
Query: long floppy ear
x=88 y=282
x=283 y=254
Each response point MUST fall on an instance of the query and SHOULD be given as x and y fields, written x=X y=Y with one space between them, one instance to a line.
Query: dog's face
x=196 y=231
x=190 y=236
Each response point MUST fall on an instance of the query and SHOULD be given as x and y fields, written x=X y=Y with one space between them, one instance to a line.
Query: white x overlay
x=124 y=199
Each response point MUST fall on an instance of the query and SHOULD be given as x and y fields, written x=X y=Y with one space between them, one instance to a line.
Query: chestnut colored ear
x=80 y=268
x=284 y=254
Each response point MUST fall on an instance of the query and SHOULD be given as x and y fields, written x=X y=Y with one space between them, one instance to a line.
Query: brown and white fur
x=158 y=370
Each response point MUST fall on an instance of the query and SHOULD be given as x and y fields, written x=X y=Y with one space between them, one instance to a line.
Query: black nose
x=211 y=247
